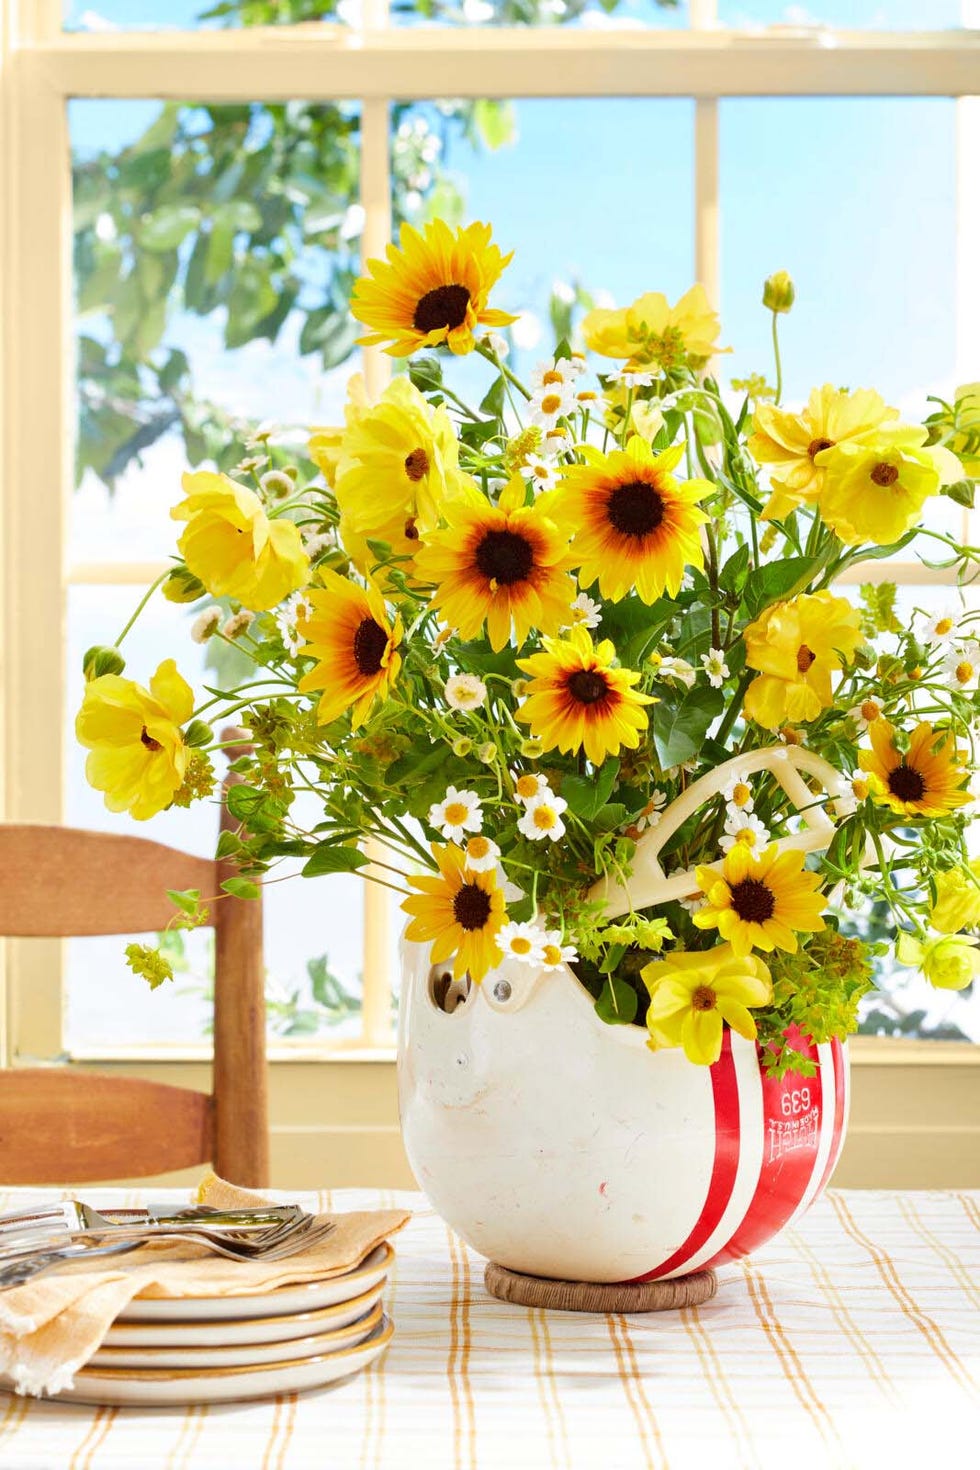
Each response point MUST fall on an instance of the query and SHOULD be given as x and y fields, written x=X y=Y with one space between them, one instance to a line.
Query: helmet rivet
x=502 y=990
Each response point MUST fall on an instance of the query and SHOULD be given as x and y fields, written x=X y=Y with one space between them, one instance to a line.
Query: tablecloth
x=852 y=1340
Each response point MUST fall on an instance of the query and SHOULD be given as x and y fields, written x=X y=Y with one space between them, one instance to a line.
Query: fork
x=295 y=1238
x=96 y=1228
x=74 y=1215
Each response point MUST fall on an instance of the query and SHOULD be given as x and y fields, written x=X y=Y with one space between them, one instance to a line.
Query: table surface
x=852 y=1340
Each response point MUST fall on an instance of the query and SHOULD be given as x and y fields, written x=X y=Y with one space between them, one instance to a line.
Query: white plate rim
x=125 y=1334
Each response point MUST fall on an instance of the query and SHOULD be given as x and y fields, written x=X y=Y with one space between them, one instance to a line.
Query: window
x=227 y=175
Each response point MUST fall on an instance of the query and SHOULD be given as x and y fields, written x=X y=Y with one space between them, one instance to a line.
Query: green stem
x=734 y=709
x=779 y=364
x=142 y=603
x=487 y=352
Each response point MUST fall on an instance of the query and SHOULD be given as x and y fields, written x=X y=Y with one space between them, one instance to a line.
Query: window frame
x=41 y=67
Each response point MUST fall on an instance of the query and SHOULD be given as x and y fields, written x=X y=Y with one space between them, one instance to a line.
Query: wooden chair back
x=59 y=1125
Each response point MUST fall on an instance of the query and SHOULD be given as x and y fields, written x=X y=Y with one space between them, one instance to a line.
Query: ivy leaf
x=679 y=729
x=241 y=888
x=617 y=1003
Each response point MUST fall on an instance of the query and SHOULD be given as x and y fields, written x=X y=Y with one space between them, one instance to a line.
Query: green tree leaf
x=680 y=728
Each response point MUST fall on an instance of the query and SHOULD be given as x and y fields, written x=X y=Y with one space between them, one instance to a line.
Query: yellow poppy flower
x=397 y=459
x=760 y=902
x=638 y=525
x=790 y=442
x=432 y=289
x=948 y=962
x=652 y=332
x=875 y=491
x=927 y=780
x=957 y=904
x=349 y=635
x=796 y=646
x=233 y=547
x=693 y=994
x=501 y=565
x=326 y=440
x=460 y=912
x=137 y=755
x=576 y=700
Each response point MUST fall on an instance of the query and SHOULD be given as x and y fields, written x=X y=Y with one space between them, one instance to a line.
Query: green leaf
x=166 y=228
x=679 y=729
x=493 y=400
x=334 y=860
x=776 y=580
x=735 y=571
x=617 y=1003
x=186 y=899
x=611 y=817
x=426 y=373
x=229 y=845
x=494 y=122
x=587 y=795
x=243 y=801
x=241 y=888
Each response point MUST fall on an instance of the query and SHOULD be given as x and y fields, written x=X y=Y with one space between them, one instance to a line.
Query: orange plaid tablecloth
x=853 y=1340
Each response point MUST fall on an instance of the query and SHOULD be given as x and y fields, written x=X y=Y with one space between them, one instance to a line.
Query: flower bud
x=957 y=903
x=198 y=732
x=462 y=747
x=778 y=293
x=531 y=748
x=865 y=657
x=100 y=660
x=182 y=586
x=520 y=687
x=487 y=752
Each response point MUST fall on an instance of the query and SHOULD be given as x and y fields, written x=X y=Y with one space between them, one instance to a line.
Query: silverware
x=76 y=1215
x=276 y=1244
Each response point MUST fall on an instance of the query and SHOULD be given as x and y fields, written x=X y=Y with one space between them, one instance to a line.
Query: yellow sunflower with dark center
x=927 y=780
x=432 y=289
x=504 y=565
x=637 y=525
x=348 y=633
x=459 y=911
x=760 y=902
x=576 y=700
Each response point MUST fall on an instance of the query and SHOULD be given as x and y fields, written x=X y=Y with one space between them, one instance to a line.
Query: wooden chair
x=59 y=1125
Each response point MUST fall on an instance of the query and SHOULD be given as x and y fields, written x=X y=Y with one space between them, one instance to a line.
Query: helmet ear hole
x=445 y=993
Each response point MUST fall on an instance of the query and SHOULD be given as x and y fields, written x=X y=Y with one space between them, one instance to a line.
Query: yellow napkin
x=51 y=1326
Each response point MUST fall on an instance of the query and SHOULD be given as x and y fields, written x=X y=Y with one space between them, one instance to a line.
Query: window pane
x=857 y=15
x=628 y=231
x=214 y=252
x=587 y=14
x=306 y=919
x=191 y=15
x=856 y=199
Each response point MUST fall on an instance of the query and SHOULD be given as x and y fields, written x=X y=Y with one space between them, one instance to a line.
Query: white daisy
x=542 y=818
x=577 y=363
x=459 y=812
x=497 y=343
x=465 y=692
x=556 y=371
x=715 y=667
x=522 y=942
x=651 y=813
x=961 y=667
x=865 y=714
x=676 y=669
x=238 y=623
x=481 y=855
x=738 y=793
x=855 y=793
x=205 y=625
x=936 y=629
x=633 y=377
x=527 y=786
x=586 y=613
x=287 y=621
x=542 y=474
x=555 y=441
x=693 y=904
x=550 y=404
x=556 y=955
x=588 y=398
x=745 y=828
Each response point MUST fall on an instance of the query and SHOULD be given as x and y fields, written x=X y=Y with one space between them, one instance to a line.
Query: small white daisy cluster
x=674 y=670
x=650 y=815
x=554 y=391
x=742 y=826
x=944 y=632
x=633 y=377
x=534 y=945
x=586 y=613
x=542 y=813
x=458 y=813
x=287 y=621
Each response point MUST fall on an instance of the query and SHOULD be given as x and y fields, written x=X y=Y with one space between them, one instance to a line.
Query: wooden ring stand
x=593 y=1296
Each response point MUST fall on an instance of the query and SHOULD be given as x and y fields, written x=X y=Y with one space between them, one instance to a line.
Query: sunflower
x=460 y=911
x=500 y=565
x=692 y=994
x=796 y=646
x=638 y=526
x=577 y=701
x=349 y=635
x=790 y=442
x=432 y=289
x=924 y=781
x=758 y=902
x=651 y=331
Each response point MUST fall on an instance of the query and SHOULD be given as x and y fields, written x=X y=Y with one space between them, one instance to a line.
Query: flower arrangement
x=498 y=639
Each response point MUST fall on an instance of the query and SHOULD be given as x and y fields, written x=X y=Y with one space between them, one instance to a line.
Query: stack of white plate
x=205 y=1350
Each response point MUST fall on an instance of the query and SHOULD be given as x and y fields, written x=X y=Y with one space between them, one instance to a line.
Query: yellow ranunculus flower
x=137 y=755
x=957 y=903
x=652 y=332
x=874 y=491
x=692 y=994
x=234 y=548
x=326 y=440
x=796 y=646
x=790 y=442
x=950 y=962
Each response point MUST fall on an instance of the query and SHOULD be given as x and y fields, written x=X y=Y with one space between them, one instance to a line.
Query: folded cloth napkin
x=51 y=1326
